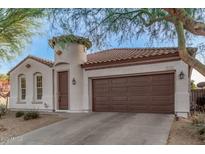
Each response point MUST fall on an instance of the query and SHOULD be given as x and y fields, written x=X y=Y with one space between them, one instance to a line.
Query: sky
x=39 y=47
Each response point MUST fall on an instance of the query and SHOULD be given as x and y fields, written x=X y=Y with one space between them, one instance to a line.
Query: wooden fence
x=196 y=93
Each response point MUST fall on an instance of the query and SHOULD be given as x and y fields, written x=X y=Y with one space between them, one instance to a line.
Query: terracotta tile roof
x=124 y=54
x=43 y=61
x=119 y=55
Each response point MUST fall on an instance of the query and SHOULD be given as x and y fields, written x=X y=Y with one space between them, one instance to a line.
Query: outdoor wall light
x=74 y=81
x=181 y=75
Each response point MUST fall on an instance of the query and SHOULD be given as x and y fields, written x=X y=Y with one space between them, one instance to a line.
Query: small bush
x=202 y=137
x=202 y=131
x=198 y=119
x=19 y=114
x=198 y=122
x=31 y=115
x=2 y=110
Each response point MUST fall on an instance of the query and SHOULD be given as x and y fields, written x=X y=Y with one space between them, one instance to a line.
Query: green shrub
x=202 y=131
x=31 y=115
x=19 y=114
x=202 y=137
x=2 y=110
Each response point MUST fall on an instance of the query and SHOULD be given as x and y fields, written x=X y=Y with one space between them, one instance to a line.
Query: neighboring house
x=142 y=80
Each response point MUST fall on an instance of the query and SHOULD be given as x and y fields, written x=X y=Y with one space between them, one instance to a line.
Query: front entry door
x=63 y=90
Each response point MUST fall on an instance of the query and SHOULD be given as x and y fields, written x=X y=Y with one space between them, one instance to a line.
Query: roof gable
x=40 y=60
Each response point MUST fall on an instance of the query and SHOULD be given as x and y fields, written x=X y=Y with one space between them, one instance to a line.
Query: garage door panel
x=137 y=108
x=118 y=91
x=137 y=103
x=101 y=86
x=100 y=83
x=102 y=108
x=139 y=91
x=118 y=85
x=139 y=83
x=121 y=102
x=119 y=108
x=147 y=93
x=139 y=100
x=161 y=77
x=117 y=81
x=101 y=91
x=143 y=78
x=162 y=83
x=160 y=103
x=101 y=103
x=161 y=91
x=102 y=99
x=119 y=98
x=99 y=94
x=162 y=98
x=161 y=109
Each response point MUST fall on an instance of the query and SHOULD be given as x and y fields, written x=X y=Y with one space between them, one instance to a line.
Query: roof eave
x=28 y=57
x=136 y=61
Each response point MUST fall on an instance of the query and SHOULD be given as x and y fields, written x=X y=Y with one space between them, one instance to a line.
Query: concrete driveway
x=102 y=128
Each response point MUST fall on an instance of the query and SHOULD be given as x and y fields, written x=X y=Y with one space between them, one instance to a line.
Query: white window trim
x=35 y=88
x=20 y=89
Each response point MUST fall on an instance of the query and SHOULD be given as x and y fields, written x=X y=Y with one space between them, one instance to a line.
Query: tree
x=4 y=77
x=4 y=89
x=16 y=28
x=193 y=85
x=167 y=24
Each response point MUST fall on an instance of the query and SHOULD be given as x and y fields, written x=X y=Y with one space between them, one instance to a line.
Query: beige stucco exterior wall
x=80 y=94
x=181 y=86
x=46 y=72
x=74 y=55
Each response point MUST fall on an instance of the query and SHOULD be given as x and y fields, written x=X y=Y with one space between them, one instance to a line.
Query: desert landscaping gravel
x=184 y=133
x=10 y=126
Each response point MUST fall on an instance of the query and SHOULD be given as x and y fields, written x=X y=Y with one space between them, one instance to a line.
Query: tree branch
x=183 y=53
x=159 y=19
x=195 y=27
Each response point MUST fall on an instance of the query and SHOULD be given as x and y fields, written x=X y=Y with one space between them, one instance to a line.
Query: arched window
x=38 y=86
x=22 y=87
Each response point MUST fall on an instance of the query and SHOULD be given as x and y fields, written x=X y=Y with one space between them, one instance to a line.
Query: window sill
x=37 y=102
x=21 y=102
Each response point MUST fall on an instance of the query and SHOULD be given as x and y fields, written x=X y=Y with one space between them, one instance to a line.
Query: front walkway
x=102 y=128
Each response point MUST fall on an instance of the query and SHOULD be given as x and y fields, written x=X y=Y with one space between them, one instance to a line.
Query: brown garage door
x=146 y=93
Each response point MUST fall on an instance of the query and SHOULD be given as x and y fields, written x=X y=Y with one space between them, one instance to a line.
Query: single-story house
x=142 y=80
